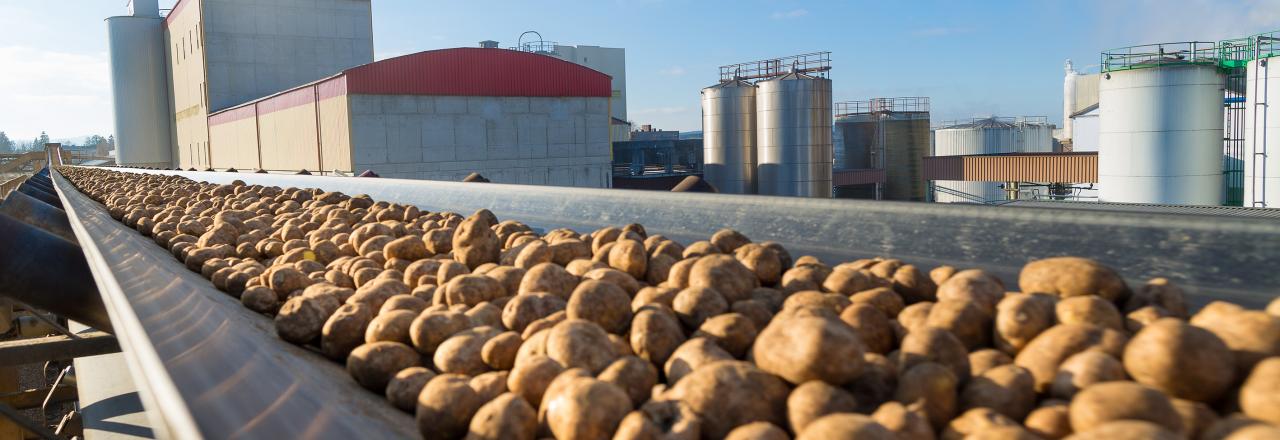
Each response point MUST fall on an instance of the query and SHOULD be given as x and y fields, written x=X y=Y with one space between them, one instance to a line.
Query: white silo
x=1262 y=126
x=1160 y=133
x=139 y=86
x=793 y=136
x=987 y=136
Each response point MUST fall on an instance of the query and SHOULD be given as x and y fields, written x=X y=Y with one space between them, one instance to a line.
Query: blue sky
x=972 y=58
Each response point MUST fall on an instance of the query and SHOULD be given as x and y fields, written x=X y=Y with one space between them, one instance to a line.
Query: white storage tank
x=139 y=87
x=987 y=136
x=1160 y=132
x=729 y=136
x=793 y=132
x=1262 y=131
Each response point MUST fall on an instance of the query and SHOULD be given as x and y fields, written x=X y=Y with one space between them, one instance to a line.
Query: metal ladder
x=1259 y=157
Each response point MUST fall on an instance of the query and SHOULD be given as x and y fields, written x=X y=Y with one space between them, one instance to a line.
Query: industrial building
x=987 y=136
x=773 y=136
x=285 y=86
x=888 y=134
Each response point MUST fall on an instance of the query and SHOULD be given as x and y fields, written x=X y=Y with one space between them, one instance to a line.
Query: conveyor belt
x=214 y=369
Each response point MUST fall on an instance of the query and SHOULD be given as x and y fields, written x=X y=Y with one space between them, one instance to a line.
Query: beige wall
x=235 y=144
x=289 y=139
x=184 y=50
x=335 y=134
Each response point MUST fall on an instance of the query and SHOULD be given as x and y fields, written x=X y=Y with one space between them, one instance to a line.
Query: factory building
x=512 y=116
x=987 y=136
x=886 y=134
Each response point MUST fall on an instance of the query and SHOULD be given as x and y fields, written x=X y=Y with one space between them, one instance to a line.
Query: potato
x=505 y=417
x=586 y=408
x=472 y=289
x=1089 y=309
x=531 y=378
x=391 y=326
x=763 y=261
x=871 y=325
x=799 y=349
x=940 y=274
x=653 y=295
x=815 y=399
x=544 y=324
x=1161 y=293
x=406 y=302
x=499 y=352
x=1273 y=308
x=550 y=278
x=729 y=394
x=460 y=354
x=474 y=243
x=757 y=431
x=1260 y=394
x=731 y=331
x=260 y=299
x=1008 y=390
x=577 y=343
x=691 y=355
x=980 y=287
x=600 y=302
x=344 y=330
x=633 y=375
x=1106 y=402
x=408 y=248
x=446 y=406
x=980 y=361
x=490 y=385
x=655 y=334
x=1050 y=421
x=933 y=384
x=678 y=276
x=928 y=344
x=1196 y=417
x=914 y=286
x=629 y=257
x=1084 y=369
x=1137 y=319
x=284 y=280
x=1181 y=360
x=524 y=309
x=847 y=282
x=963 y=318
x=905 y=422
x=485 y=313
x=845 y=426
x=1239 y=427
x=1127 y=429
x=1066 y=277
x=377 y=292
x=803 y=277
x=1019 y=318
x=729 y=240
x=882 y=298
x=831 y=302
x=916 y=315
x=700 y=249
x=1250 y=334
x=694 y=305
x=403 y=389
x=1046 y=352
x=975 y=421
x=301 y=319
x=661 y=419
x=430 y=329
x=374 y=364
x=507 y=276
x=580 y=267
x=876 y=384
x=532 y=254
x=724 y=274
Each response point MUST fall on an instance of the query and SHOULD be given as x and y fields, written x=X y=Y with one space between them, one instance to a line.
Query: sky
x=970 y=58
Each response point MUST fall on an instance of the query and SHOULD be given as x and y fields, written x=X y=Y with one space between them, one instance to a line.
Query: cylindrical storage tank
x=1160 y=135
x=729 y=136
x=986 y=136
x=905 y=136
x=1262 y=135
x=793 y=136
x=139 y=91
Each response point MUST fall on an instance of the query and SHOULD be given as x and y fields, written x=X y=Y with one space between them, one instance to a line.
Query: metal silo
x=729 y=136
x=139 y=87
x=793 y=133
x=987 y=136
x=1262 y=125
x=1160 y=136
x=886 y=133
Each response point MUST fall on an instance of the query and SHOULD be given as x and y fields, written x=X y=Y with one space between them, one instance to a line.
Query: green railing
x=1163 y=54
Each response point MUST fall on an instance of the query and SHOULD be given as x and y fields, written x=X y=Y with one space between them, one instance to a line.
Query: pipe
x=45 y=271
x=35 y=212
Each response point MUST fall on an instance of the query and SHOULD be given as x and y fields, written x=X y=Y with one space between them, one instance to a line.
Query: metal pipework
x=48 y=272
x=36 y=212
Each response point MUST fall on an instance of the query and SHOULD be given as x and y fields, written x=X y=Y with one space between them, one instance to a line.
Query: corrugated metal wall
x=994 y=139
x=1061 y=167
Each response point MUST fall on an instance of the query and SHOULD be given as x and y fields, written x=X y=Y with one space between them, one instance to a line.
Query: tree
x=43 y=139
x=6 y=144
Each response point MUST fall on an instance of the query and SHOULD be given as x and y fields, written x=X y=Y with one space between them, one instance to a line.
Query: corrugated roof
x=471 y=71
x=1215 y=211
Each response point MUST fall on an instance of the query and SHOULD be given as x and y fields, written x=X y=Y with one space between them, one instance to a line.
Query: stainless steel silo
x=139 y=92
x=729 y=136
x=793 y=136
x=888 y=133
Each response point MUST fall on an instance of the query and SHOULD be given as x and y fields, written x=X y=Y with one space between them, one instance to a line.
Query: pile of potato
x=488 y=329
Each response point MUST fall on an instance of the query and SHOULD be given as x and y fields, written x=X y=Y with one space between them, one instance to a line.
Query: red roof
x=477 y=72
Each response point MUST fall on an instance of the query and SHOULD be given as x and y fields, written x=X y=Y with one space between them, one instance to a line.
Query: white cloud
x=784 y=15
x=1156 y=21
x=65 y=94
x=672 y=71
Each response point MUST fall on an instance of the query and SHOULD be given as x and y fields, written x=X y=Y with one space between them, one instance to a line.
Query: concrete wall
x=611 y=61
x=539 y=141
x=261 y=47
x=184 y=51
